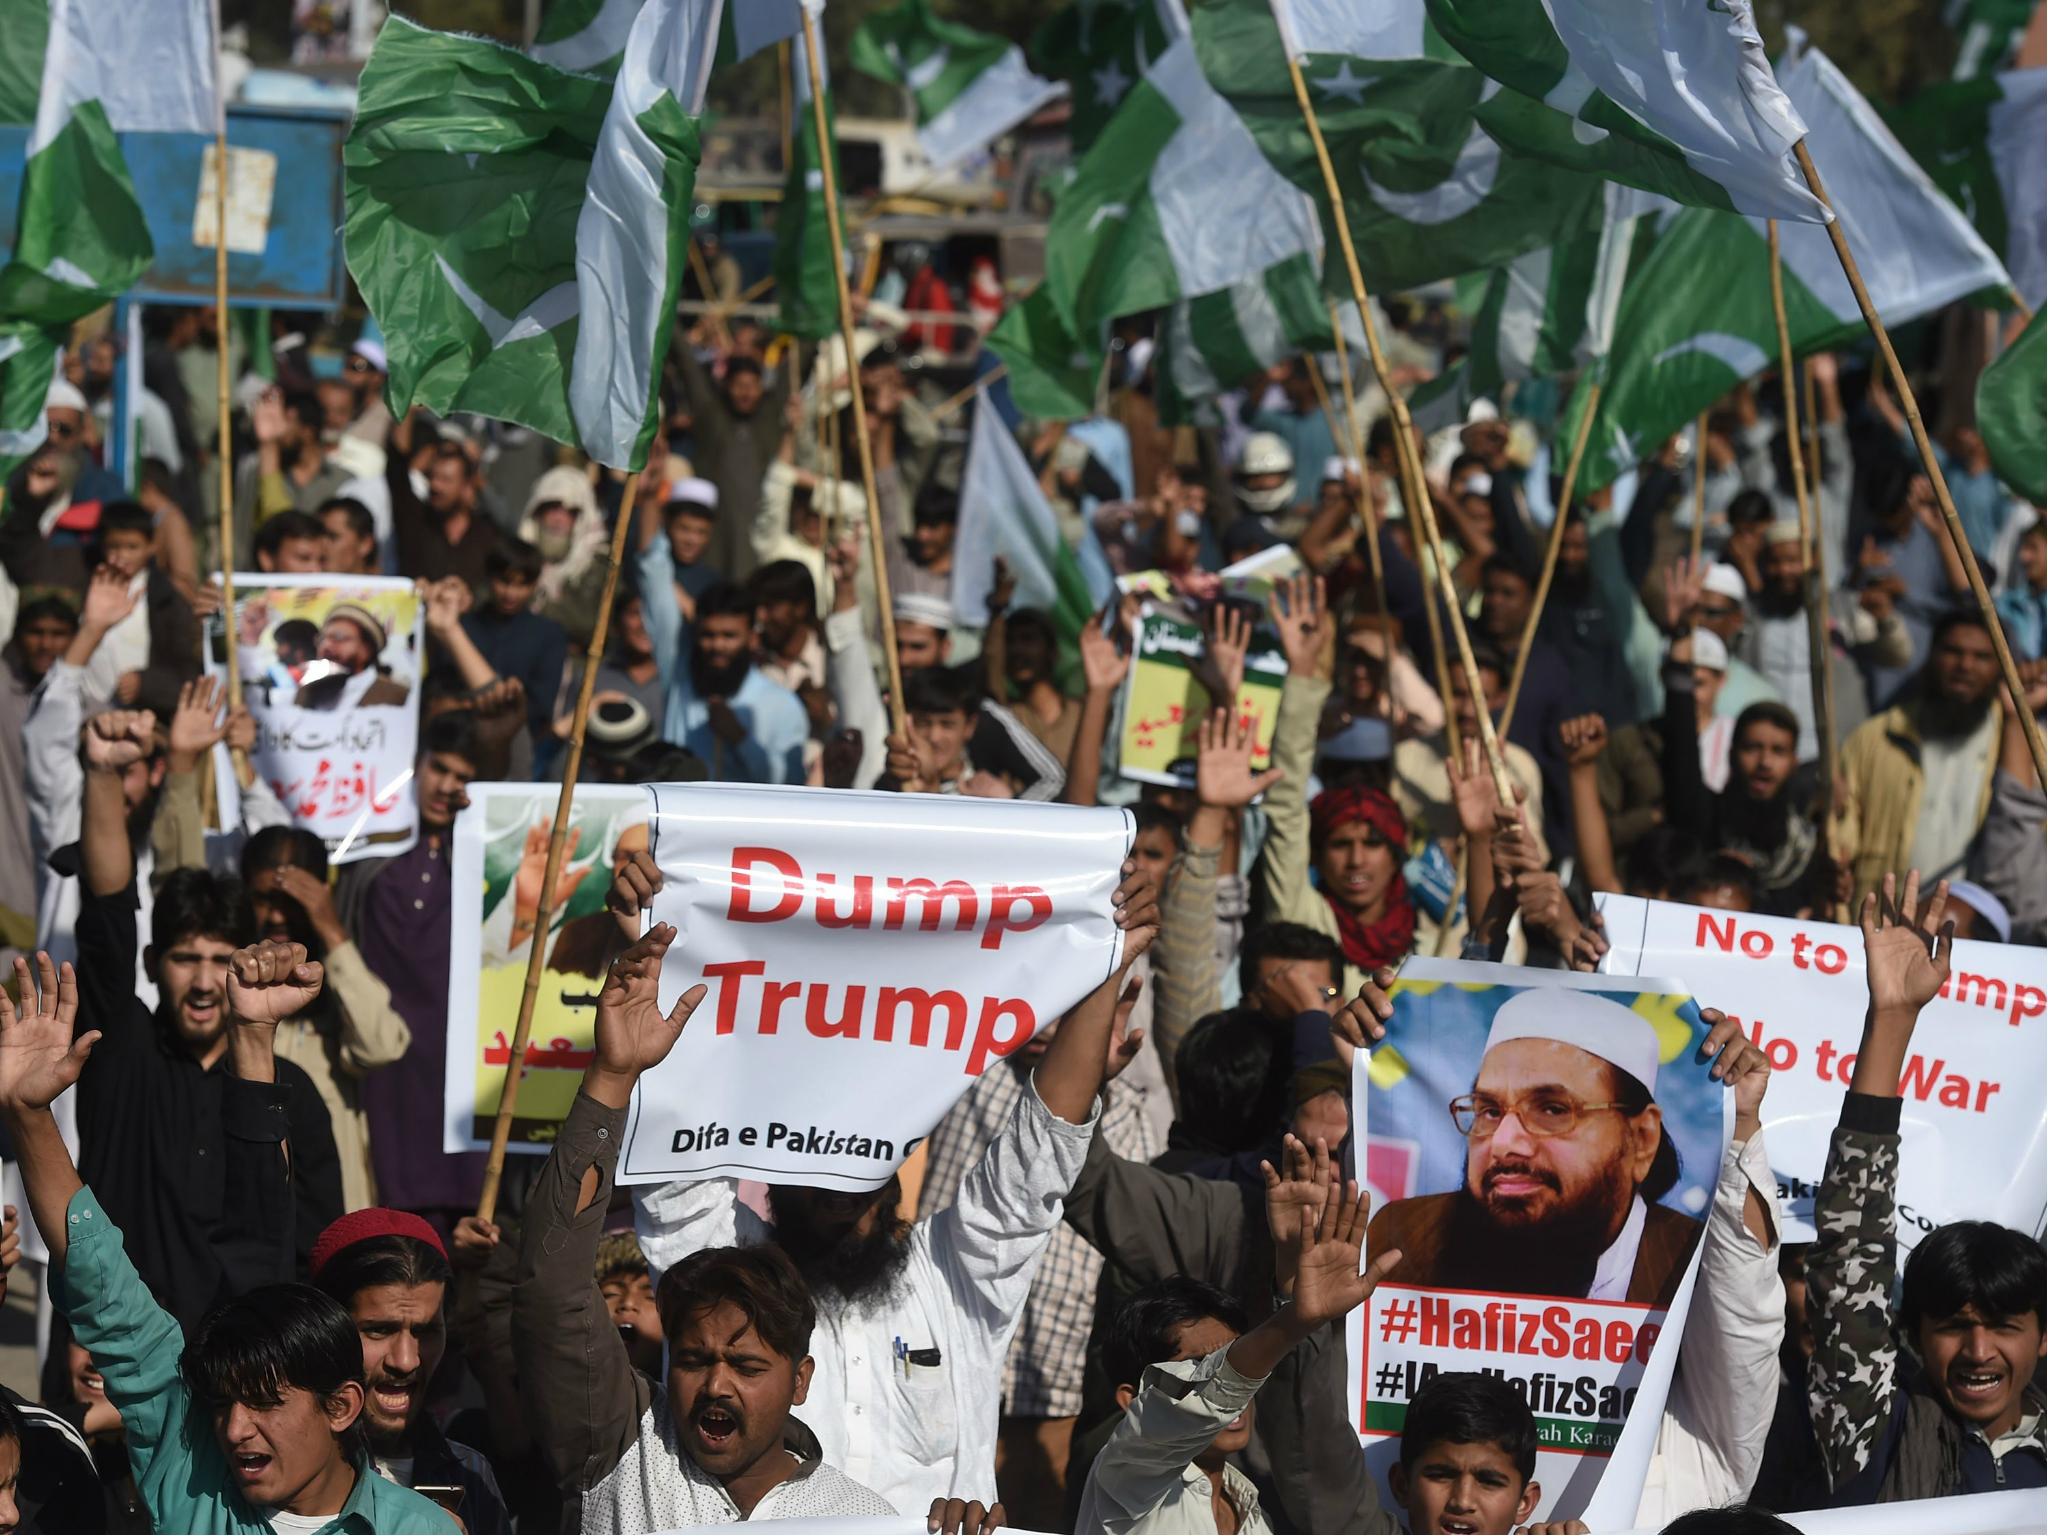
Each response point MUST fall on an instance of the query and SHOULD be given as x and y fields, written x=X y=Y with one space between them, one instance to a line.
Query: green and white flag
x=1695 y=318
x=1674 y=96
x=805 y=287
x=78 y=74
x=1100 y=49
x=1430 y=190
x=1986 y=32
x=1981 y=142
x=518 y=230
x=1173 y=201
x=1052 y=374
x=589 y=35
x=968 y=86
x=1214 y=343
x=2012 y=413
x=1003 y=512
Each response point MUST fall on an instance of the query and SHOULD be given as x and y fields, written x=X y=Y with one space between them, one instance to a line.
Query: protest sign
x=1521 y=1128
x=868 y=956
x=1165 y=701
x=500 y=861
x=330 y=669
x=1973 y=1141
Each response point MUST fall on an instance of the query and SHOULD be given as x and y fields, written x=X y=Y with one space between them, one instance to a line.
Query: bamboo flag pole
x=1699 y=485
x=1315 y=376
x=1550 y=551
x=877 y=553
x=1366 y=509
x=1414 y=494
x=946 y=407
x=558 y=838
x=1911 y=406
x=245 y=774
x=1809 y=425
x=716 y=312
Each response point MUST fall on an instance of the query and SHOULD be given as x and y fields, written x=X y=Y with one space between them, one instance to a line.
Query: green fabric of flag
x=1215 y=342
x=1695 y=318
x=1100 y=49
x=28 y=362
x=1051 y=373
x=1980 y=140
x=1986 y=31
x=2012 y=413
x=1430 y=190
x=590 y=35
x=967 y=86
x=805 y=287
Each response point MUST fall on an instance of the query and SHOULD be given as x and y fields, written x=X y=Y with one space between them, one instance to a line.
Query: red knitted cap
x=376 y=1221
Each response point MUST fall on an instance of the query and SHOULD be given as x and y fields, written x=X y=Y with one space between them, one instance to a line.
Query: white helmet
x=1266 y=453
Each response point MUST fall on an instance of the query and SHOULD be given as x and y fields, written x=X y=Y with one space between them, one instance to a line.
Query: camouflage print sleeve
x=1849 y=1272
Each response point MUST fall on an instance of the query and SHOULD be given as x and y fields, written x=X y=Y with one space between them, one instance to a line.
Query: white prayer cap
x=1784 y=531
x=1708 y=651
x=695 y=489
x=1478 y=483
x=1727 y=581
x=371 y=351
x=1597 y=1025
x=926 y=609
x=1985 y=905
x=64 y=396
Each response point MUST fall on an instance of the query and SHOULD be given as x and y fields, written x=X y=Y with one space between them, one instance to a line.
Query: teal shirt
x=178 y=1464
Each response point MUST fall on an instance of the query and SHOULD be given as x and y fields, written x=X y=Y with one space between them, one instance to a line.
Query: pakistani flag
x=1986 y=31
x=2012 y=413
x=588 y=36
x=1053 y=375
x=1213 y=343
x=77 y=74
x=1430 y=190
x=1695 y=317
x=518 y=231
x=1100 y=49
x=1981 y=142
x=1173 y=201
x=968 y=86
x=804 y=282
x=1674 y=96
x=1004 y=513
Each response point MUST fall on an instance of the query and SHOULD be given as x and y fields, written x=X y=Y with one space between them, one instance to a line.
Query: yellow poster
x=1165 y=701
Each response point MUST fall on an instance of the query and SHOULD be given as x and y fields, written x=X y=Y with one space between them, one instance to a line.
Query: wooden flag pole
x=1414 y=493
x=1911 y=406
x=1810 y=540
x=1809 y=424
x=946 y=407
x=1550 y=551
x=876 y=550
x=1366 y=509
x=1322 y=388
x=715 y=310
x=245 y=774
x=1699 y=485
x=558 y=838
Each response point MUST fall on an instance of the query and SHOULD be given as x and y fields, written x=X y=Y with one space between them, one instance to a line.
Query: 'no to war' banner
x=1973 y=1139
x=1521 y=1128
x=499 y=865
x=1165 y=703
x=330 y=669
x=867 y=957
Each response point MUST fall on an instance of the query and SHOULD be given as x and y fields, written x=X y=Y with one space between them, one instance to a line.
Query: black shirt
x=166 y=1143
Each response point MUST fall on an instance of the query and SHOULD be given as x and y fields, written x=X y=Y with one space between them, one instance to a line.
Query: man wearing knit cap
x=351 y=640
x=1566 y=1157
x=389 y=1271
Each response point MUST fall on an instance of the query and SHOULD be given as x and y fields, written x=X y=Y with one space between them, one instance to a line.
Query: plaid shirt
x=1042 y=1378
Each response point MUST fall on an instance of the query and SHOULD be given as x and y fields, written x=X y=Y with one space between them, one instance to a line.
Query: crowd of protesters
x=1123 y=1261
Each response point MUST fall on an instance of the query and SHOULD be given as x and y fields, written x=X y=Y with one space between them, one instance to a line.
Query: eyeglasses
x=62 y=431
x=1718 y=610
x=1478 y=1115
x=358 y=365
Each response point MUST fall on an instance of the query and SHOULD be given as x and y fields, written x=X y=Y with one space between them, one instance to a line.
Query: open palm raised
x=1327 y=1282
x=632 y=1032
x=1905 y=952
x=38 y=1057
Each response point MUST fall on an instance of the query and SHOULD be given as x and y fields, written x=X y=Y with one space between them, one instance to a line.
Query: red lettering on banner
x=987 y=1042
x=770 y=886
x=791 y=896
x=729 y=976
x=1504 y=1325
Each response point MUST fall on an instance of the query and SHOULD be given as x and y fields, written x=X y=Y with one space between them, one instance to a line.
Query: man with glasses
x=1724 y=610
x=1566 y=1159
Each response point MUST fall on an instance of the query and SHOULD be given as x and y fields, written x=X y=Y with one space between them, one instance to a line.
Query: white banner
x=868 y=955
x=330 y=668
x=2018 y=1511
x=1974 y=1142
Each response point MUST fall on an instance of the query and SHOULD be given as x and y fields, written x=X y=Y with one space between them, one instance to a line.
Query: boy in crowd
x=519 y=643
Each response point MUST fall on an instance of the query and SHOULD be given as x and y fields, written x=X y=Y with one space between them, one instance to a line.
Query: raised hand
x=1230 y=637
x=910 y=765
x=1223 y=762
x=118 y=737
x=1738 y=1063
x=1136 y=909
x=1327 y=1283
x=1473 y=790
x=1303 y=620
x=1124 y=1042
x=447 y=600
x=194 y=728
x=1295 y=1193
x=1003 y=587
x=270 y=982
x=1684 y=580
x=1363 y=1020
x=107 y=600
x=633 y=1034
x=633 y=886
x=266 y=417
x=1584 y=738
x=38 y=1057
x=1104 y=662
x=316 y=900
x=1905 y=962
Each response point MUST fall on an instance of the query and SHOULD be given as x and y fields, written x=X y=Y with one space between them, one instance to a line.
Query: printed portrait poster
x=1973 y=1139
x=867 y=956
x=1542 y=1147
x=500 y=864
x=330 y=669
x=1165 y=702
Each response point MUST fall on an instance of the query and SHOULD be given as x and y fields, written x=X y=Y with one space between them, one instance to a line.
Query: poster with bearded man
x=1542 y=1149
x=330 y=669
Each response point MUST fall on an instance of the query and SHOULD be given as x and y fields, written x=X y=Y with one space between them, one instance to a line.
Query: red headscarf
x=1367 y=945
